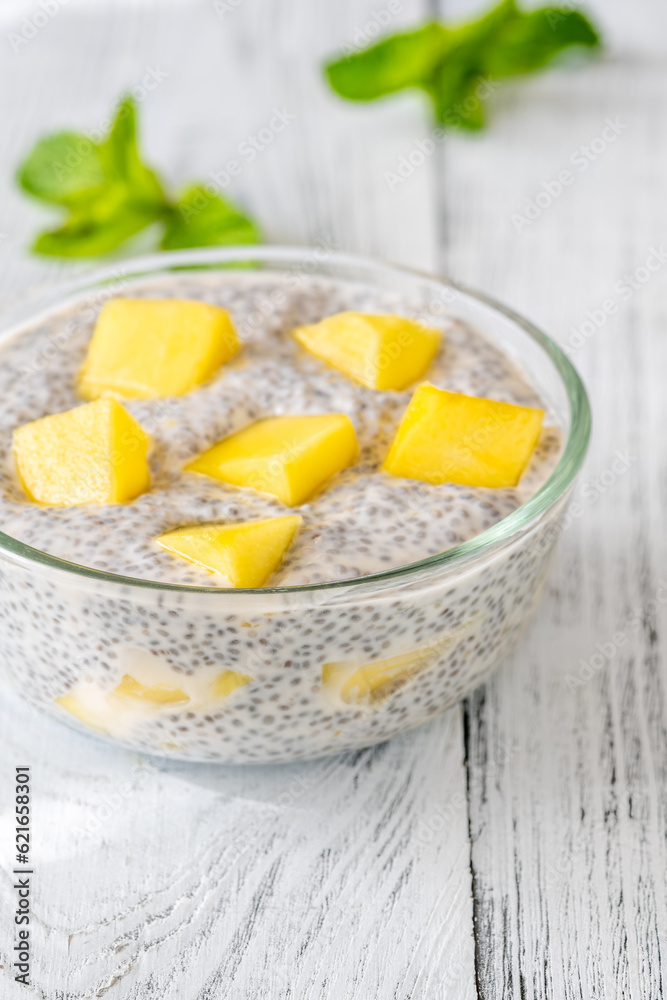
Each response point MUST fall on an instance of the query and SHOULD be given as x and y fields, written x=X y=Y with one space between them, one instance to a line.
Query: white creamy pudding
x=363 y=521
x=170 y=659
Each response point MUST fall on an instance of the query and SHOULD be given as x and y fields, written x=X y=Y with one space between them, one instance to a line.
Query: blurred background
x=207 y=74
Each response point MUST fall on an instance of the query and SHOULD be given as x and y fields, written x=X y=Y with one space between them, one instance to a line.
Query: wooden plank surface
x=566 y=747
x=544 y=795
x=347 y=877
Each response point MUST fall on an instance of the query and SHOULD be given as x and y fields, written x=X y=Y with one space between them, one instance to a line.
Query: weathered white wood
x=347 y=876
x=353 y=877
x=567 y=762
x=342 y=878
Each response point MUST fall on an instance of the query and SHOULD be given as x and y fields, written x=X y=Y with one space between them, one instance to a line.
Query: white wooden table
x=515 y=847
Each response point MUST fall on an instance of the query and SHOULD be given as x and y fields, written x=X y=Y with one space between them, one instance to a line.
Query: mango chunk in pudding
x=164 y=694
x=372 y=683
x=289 y=457
x=95 y=453
x=160 y=691
x=153 y=694
x=144 y=348
x=246 y=553
x=446 y=437
x=94 y=716
x=380 y=352
x=227 y=682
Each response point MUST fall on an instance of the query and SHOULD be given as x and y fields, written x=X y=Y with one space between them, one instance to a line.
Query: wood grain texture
x=347 y=877
x=566 y=748
x=544 y=795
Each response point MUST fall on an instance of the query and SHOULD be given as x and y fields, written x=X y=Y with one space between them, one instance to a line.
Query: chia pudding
x=343 y=649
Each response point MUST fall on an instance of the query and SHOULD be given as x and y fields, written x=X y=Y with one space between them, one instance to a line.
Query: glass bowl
x=280 y=674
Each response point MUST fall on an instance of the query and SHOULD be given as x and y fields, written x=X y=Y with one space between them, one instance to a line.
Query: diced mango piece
x=144 y=348
x=289 y=457
x=380 y=352
x=374 y=682
x=92 y=713
x=159 y=690
x=95 y=453
x=228 y=681
x=446 y=437
x=152 y=694
x=247 y=553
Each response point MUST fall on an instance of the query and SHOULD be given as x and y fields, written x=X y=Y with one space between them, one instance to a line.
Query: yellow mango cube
x=247 y=553
x=373 y=683
x=229 y=681
x=159 y=690
x=91 y=711
x=446 y=437
x=380 y=352
x=95 y=453
x=151 y=694
x=289 y=457
x=146 y=348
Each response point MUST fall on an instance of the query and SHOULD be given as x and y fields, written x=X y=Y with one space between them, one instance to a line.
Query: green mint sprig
x=453 y=64
x=110 y=194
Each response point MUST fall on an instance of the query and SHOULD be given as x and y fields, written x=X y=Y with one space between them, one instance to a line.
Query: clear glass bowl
x=287 y=673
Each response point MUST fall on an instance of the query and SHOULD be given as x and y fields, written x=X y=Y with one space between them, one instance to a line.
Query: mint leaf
x=111 y=195
x=97 y=228
x=121 y=160
x=63 y=168
x=530 y=42
x=452 y=64
x=456 y=98
x=201 y=219
x=456 y=80
x=84 y=236
x=474 y=36
x=439 y=59
x=404 y=60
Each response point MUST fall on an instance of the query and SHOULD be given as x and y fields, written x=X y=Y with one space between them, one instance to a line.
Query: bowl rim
x=499 y=535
